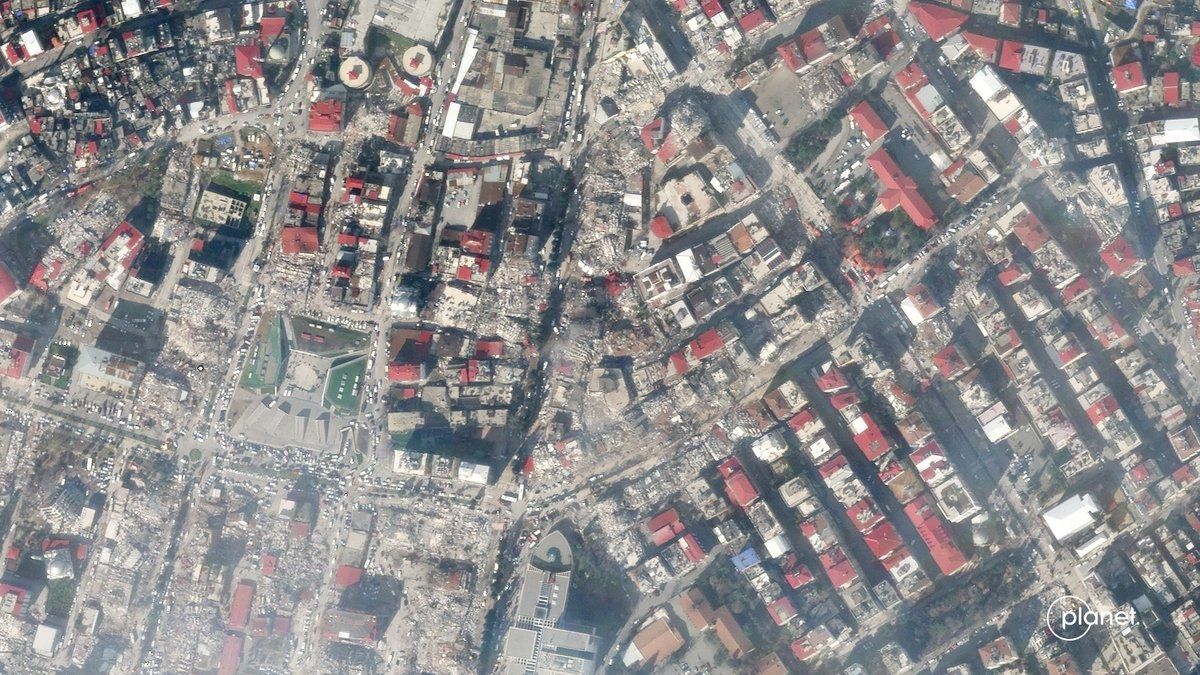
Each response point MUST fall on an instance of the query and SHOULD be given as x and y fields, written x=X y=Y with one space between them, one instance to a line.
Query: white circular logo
x=1068 y=618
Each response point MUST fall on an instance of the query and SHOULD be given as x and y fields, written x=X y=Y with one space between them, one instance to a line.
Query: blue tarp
x=746 y=559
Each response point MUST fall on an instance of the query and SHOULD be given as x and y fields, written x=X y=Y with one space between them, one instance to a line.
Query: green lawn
x=394 y=42
x=810 y=142
x=60 y=593
x=344 y=384
x=264 y=364
x=246 y=188
x=60 y=361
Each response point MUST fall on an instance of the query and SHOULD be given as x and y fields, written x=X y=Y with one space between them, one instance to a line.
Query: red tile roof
x=868 y=120
x=789 y=53
x=1171 y=88
x=248 y=60
x=231 y=655
x=871 y=439
x=803 y=649
x=270 y=27
x=983 y=45
x=799 y=576
x=300 y=240
x=90 y=20
x=492 y=349
x=1011 y=274
x=707 y=343
x=911 y=77
x=949 y=362
x=8 y=285
x=1075 y=288
x=664 y=527
x=239 y=609
x=935 y=535
x=19 y=353
x=886 y=42
x=752 y=20
x=937 y=20
x=661 y=227
x=1010 y=13
x=801 y=419
x=347 y=576
x=1102 y=409
x=900 y=190
x=679 y=362
x=883 y=540
x=670 y=148
x=831 y=380
x=839 y=568
x=1118 y=255
x=923 y=300
x=1010 y=55
x=19 y=593
x=1129 y=77
x=738 y=487
x=691 y=548
x=795 y=573
x=812 y=45
x=405 y=372
x=325 y=116
x=864 y=515
x=844 y=399
x=832 y=467
x=654 y=133
x=1031 y=232
x=781 y=610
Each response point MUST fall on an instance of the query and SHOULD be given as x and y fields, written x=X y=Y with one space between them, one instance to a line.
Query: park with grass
x=264 y=365
x=344 y=384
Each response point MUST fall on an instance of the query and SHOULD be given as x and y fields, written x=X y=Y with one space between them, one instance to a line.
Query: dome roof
x=279 y=50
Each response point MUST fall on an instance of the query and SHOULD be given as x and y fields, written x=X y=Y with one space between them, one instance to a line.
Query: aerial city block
x=579 y=337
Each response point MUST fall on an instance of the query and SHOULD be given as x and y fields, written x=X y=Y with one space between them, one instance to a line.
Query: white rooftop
x=1071 y=516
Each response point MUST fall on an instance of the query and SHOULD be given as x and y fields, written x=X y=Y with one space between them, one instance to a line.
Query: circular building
x=354 y=73
x=279 y=51
x=553 y=553
x=417 y=61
